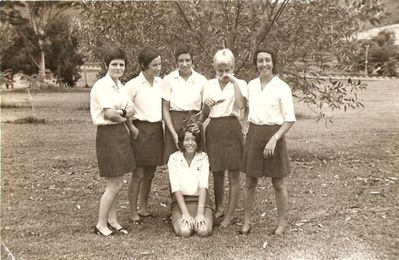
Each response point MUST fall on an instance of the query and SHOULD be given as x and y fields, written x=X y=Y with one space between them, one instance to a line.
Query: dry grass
x=343 y=190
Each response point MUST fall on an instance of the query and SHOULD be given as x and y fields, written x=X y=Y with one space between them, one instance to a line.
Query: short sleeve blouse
x=271 y=106
x=146 y=98
x=106 y=94
x=188 y=178
x=226 y=96
x=183 y=95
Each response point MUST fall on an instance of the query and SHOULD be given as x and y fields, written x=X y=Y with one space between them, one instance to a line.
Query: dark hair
x=272 y=53
x=113 y=54
x=182 y=49
x=146 y=56
x=181 y=133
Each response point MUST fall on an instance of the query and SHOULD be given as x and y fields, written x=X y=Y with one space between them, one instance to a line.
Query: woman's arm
x=239 y=98
x=168 y=120
x=268 y=152
x=185 y=217
x=200 y=218
x=114 y=115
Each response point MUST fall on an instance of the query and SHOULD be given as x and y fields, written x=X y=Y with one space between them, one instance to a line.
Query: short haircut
x=182 y=49
x=271 y=51
x=114 y=54
x=146 y=56
x=197 y=135
x=224 y=56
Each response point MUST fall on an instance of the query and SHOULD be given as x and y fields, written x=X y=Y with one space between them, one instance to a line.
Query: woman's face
x=223 y=69
x=189 y=144
x=184 y=63
x=155 y=66
x=116 y=68
x=264 y=63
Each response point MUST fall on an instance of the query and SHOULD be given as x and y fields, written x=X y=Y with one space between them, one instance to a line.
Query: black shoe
x=121 y=230
x=98 y=232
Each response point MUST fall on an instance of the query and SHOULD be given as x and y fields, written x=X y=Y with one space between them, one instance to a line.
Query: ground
x=343 y=189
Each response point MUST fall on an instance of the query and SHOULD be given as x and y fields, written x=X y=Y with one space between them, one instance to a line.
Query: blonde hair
x=224 y=56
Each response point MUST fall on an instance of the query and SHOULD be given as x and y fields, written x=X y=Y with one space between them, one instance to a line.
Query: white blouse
x=226 y=96
x=188 y=178
x=183 y=95
x=271 y=106
x=146 y=98
x=106 y=94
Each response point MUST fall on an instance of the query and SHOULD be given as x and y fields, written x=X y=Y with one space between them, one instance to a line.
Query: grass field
x=344 y=189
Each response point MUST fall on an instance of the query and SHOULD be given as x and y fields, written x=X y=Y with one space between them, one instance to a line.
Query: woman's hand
x=195 y=127
x=268 y=152
x=176 y=140
x=199 y=221
x=230 y=77
x=130 y=111
x=188 y=220
x=209 y=102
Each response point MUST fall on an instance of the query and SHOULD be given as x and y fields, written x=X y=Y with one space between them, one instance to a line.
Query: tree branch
x=189 y=25
x=273 y=21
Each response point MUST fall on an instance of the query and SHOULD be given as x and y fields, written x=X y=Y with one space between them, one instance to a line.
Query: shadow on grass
x=27 y=120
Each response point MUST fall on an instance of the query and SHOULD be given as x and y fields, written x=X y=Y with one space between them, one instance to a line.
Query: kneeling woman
x=188 y=175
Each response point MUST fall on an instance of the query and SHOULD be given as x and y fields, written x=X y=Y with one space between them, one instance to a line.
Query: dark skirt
x=224 y=143
x=114 y=150
x=148 y=147
x=192 y=207
x=254 y=164
x=178 y=118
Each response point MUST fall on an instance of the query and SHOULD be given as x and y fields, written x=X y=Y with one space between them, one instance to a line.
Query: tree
x=64 y=57
x=38 y=16
x=307 y=33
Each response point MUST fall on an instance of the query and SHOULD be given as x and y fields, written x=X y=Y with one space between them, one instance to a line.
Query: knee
x=184 y=231
x=138 y=176
x=204 y=231
x=218 y=176
x=114 y=185
x=279 y=184
x=234 y=178
x=251 y=183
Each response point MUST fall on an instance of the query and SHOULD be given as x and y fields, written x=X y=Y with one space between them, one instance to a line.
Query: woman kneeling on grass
x=188 y=175
x=110 y=107
x=271 y=115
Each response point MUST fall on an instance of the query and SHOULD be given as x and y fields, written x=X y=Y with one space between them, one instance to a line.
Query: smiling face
x=184 y=63
x=264 y=63
x=189 y=143
x=154 y=67
x=223 y=69
x=116 y=68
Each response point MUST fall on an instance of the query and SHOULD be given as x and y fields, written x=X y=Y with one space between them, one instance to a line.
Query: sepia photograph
x=199 y=129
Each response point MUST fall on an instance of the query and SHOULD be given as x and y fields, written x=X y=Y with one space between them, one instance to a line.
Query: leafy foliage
x=36 y=33
x=312 y=36
x=383 y=55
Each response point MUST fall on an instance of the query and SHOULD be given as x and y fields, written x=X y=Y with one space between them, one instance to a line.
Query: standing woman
x=271 y=115
x=225 y=96
x=145 y=92
x=188 y=174
x=110 y=107
x=181 y=97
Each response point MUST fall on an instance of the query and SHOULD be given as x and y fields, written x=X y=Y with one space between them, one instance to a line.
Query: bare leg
x=234 y=195
x=112 y=219
x=218 y=186
x=280 y=189
x=249 y=199
x=114 y=185
x=145 y=189
x=133 y=192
